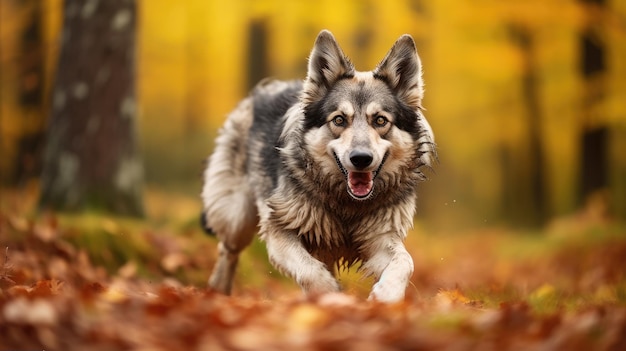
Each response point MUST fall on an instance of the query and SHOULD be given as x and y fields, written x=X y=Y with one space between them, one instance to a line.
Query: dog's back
x=271 y=100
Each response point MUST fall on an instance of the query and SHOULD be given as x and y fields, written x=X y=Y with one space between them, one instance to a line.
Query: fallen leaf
x=45 y=233
x=172 y=261
x=24 y=311
x=306 y=317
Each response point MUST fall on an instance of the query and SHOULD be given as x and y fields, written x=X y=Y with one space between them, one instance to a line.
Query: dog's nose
x=361 y=159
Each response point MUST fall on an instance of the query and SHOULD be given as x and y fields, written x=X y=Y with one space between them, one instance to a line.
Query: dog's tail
x=205 y=225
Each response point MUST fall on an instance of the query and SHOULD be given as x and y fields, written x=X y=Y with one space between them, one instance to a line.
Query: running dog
x=327 y=168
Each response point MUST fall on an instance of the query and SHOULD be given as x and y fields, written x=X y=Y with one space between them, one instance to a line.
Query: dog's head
x=362 y=124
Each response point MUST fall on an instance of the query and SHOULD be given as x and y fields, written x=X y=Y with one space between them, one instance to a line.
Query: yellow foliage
x=193 y=59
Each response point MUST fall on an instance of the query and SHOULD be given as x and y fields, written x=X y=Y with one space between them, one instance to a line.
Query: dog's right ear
x=327 y=64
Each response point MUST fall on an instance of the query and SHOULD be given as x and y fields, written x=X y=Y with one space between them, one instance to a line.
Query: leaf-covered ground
x=90 y=282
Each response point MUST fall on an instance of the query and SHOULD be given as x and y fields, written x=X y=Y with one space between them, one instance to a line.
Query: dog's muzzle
x=360 y=184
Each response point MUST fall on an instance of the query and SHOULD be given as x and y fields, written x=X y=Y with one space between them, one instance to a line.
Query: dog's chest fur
x=335 y=231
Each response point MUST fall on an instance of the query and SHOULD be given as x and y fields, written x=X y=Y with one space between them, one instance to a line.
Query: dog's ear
x=327 y=64
x=401 y=69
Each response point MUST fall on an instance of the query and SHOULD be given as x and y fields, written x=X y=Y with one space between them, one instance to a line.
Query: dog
x=327 y=168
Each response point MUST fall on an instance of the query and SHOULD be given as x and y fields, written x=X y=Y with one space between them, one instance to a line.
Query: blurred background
x=526 y=98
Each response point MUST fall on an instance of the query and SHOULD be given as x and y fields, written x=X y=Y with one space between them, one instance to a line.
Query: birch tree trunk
x=91 y=157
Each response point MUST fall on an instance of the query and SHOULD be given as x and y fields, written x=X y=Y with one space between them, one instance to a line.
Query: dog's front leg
x=391 y=265
x=289 y=256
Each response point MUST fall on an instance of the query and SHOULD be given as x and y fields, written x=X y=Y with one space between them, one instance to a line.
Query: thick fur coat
x=327 y=168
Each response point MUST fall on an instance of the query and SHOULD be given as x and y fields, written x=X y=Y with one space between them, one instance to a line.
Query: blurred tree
x=91 y=158
x=594 y=139
x=530 y=203
x=257 y=57
x=30 y=93
x=195 y=57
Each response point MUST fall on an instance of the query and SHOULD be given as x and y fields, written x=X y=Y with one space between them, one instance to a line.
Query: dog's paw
x=387 y=293
x=323 y=283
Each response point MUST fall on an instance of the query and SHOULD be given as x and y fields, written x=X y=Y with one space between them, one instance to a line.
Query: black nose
x=361 y=159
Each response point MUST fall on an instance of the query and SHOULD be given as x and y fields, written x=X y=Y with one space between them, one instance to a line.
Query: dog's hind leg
x=229 y=205
x=233 y=239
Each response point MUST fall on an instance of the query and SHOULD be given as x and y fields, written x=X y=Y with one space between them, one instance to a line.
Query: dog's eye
x=381 y=121
x=339 y=120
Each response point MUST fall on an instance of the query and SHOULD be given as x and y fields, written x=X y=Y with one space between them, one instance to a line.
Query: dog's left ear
x=327 y=64
x=401 y=69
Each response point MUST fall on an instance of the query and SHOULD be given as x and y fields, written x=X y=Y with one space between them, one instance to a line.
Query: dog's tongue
x=360 y=183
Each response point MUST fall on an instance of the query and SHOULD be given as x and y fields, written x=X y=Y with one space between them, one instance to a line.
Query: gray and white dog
x=327 y=168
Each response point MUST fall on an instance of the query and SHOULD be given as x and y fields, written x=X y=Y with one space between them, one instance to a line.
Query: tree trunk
x=27 y=164
x=527 y=178
x=594 y=139
x=258 y=67
x=91 y=158
x=594 y=160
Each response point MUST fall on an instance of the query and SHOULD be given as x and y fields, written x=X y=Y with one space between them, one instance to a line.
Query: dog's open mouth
x=360 y=184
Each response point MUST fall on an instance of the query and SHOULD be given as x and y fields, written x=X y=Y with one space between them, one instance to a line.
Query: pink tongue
x=360 y=183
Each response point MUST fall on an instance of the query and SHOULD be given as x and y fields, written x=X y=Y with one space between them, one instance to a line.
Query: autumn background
x=526 y=99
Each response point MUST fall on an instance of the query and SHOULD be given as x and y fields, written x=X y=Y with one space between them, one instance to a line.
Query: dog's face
x=362 y=124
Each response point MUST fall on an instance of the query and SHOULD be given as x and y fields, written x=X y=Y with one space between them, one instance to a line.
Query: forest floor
x=92 y=282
